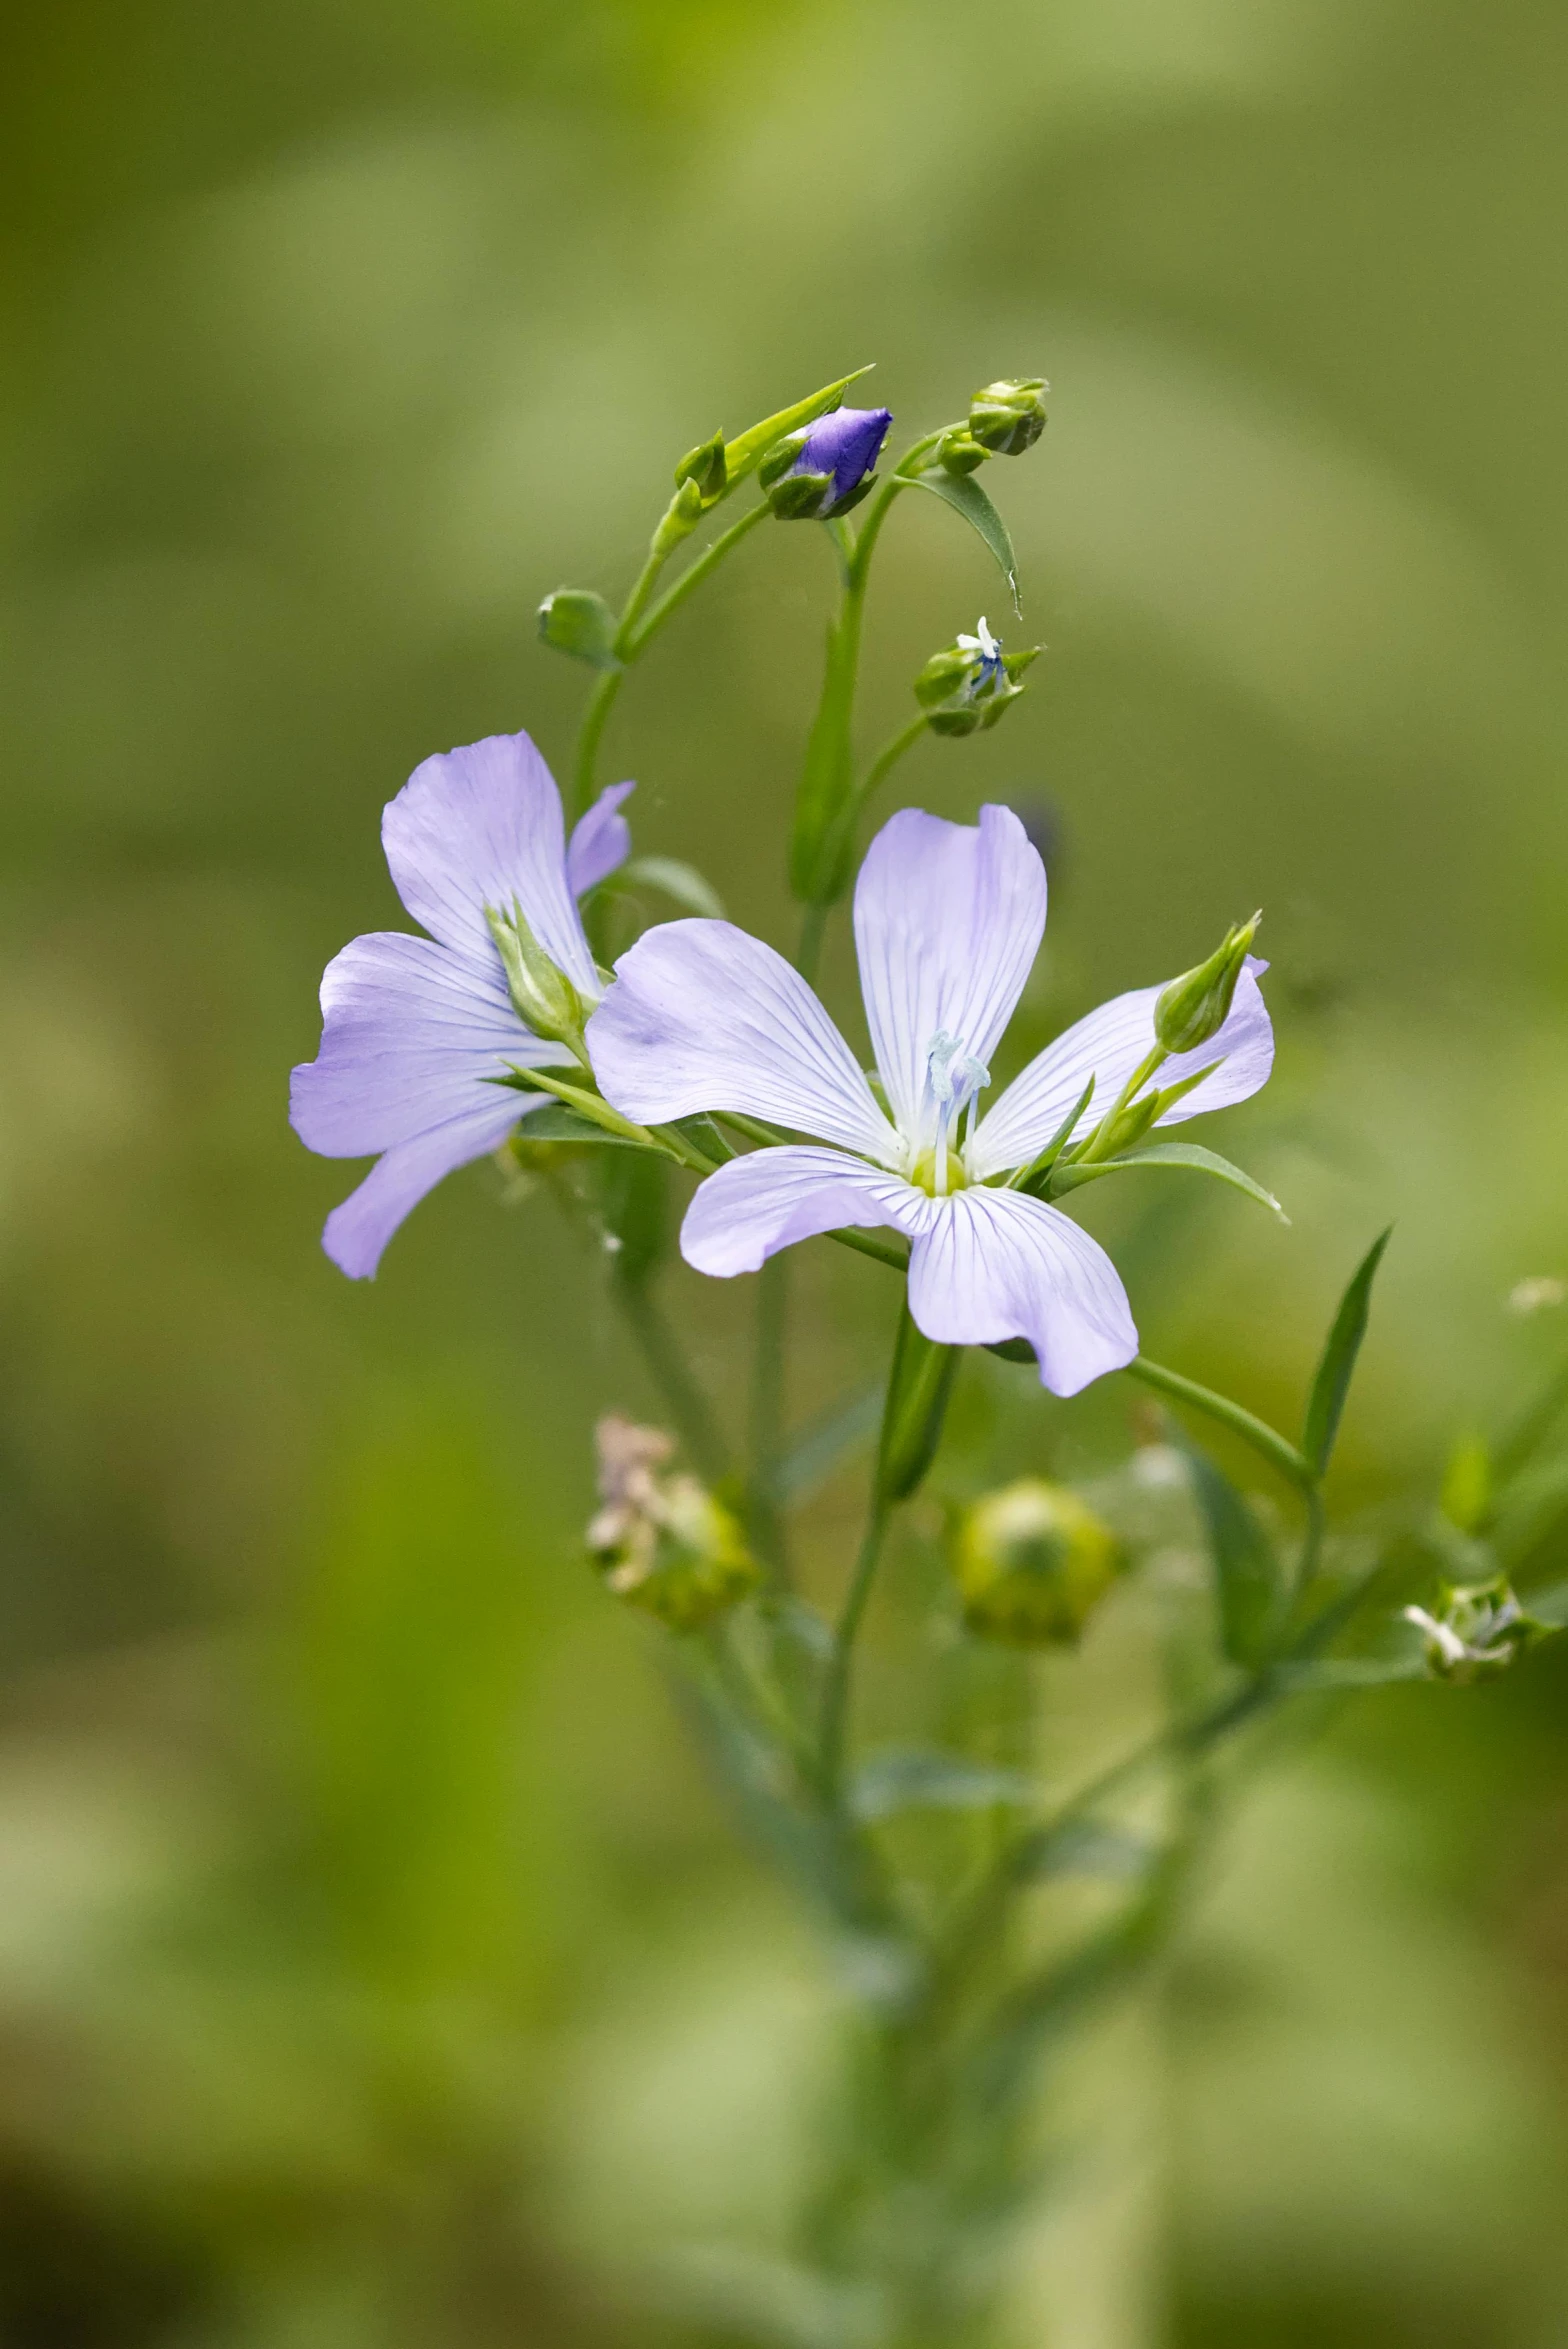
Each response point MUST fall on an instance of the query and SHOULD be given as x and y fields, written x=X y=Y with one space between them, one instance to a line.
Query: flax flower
x=416 y=1031
x=948 y=918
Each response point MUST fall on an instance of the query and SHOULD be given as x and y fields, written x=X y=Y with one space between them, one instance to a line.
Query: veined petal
x=948 y=919
x=358 y=1231
x=997 y=1264
x=703 y=1017
x=601 y=840
x=482 y=826
x=410 y=1034
x=1108 y=1044
x=766 y=1201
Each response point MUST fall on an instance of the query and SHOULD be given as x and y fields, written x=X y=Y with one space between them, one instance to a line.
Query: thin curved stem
x=670 y=602
x=1283 y=1457
x=888 y=758
x=600 y=703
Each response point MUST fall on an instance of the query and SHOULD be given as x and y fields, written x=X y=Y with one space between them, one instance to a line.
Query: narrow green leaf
x=680 y=882
x=1337 y=1368
x=1350 y=1672
x=1549 y=1606
x=742 y=453
x=554 y=1122
x=1249 y=1583
x=918 y=1779
x=963 y=493
x=1085 y=1847
x=1188 y=1154
x=1031 y=1177
x=825 y=1441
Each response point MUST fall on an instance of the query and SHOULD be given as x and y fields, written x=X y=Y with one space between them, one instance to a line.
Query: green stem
x=836 y=1688
x=808 y=954
x=767 y=1417
x=600 y=703
x=1269 y=1445
x=631 y=643
x=671 y=1374
x=888 y=758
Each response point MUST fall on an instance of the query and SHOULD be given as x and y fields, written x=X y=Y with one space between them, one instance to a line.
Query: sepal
x=662 y=1542
x=1008 y=417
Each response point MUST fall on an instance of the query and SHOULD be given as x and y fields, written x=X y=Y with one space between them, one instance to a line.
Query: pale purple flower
x=416 y=1030
x=948 y=918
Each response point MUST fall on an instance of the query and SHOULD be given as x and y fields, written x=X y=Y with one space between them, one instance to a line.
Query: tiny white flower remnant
x=948 y=919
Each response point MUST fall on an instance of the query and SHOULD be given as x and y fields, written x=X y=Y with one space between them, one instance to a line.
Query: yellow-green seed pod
x=1032 y=1562
x=683 y=1559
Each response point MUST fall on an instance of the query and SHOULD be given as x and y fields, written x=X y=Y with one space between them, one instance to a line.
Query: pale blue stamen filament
x=954 y=1079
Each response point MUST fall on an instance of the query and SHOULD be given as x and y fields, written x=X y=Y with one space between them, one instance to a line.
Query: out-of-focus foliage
x=373 y=1967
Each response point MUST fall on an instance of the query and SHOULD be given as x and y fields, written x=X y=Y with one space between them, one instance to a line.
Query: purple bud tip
x=846 y=444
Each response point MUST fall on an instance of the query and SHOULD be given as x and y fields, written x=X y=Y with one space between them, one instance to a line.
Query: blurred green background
x=374 y=1965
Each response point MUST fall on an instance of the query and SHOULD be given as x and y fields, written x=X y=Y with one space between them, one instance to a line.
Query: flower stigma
x=955 y=1078
x=991 y=671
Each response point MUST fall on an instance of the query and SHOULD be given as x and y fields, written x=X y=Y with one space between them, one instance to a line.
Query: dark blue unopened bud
x=840 y=450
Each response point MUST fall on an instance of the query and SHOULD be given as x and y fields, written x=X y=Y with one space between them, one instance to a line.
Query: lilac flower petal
x=996 y=1264
x=845 y=443
x=948 y=919
x=1108 y=1044
x=481 y=826
x=601 y=840
x=410 y=1033
x=358 y=1231
x=701 y=1016
x=758 y=1204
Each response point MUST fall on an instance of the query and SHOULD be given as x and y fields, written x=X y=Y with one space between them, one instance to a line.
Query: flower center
x=954 y=1079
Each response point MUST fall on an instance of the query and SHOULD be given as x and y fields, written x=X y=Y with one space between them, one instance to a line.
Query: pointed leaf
x=1337 y=1368
x=917 y=1779
x=963 y=493
x=745 y=451
x=811 y=1459
x=1249 y=1583
x=556 y=1123
x=679 y=881
x=1188 y=1154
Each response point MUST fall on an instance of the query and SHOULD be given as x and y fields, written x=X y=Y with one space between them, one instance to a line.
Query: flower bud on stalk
x=827 y=467
x=1032 y=1562
x=1008 y=417
x=968 y=685
x=664 y=1543
x=544 y=996
x=705 y=465
x=1195 y=1007
x=1477 y=1628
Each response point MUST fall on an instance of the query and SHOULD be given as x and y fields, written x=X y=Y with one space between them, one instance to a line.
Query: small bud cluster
x=1032 y=1562
x=664 y=1543
x=1005 y=419
x=1474 y=1629
x=969 y=684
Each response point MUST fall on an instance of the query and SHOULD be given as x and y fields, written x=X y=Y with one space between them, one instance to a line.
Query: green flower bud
x=1474 y=1629
x=663 y=1543
x=680 y=518
x=959 y=452
x=1032 y=1562
x=577 y=621
x=1008 y=417
x=705 y=465
x=545 y=998
x=1195 y=1007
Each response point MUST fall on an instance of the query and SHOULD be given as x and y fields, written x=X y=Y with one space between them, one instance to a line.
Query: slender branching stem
x=836 y=1687
x=708 y=561
x=679 y=1389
